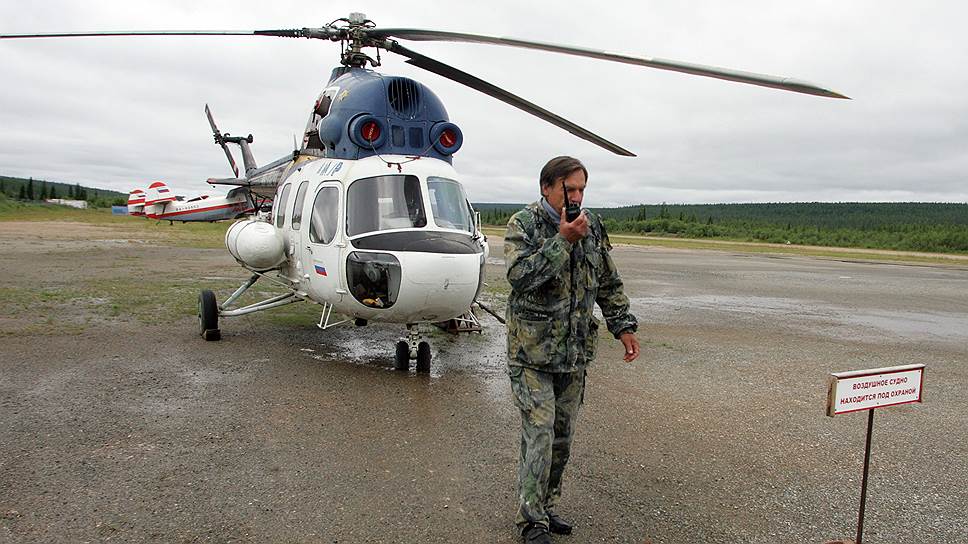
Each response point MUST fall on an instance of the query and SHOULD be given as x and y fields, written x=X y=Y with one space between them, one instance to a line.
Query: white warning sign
x=876 y=388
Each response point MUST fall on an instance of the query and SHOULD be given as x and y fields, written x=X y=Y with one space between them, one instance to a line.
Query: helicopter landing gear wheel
x=401 y=360
x=208 y=316
x=423 y=357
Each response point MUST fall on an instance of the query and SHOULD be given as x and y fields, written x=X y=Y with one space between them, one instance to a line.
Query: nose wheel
x=423 y=357
x=412 y=348
x=401 y=360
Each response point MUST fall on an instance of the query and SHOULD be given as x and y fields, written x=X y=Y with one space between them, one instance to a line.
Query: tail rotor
x=220 y=140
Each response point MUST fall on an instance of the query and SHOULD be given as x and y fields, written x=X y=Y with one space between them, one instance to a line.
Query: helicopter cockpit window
x=383 y=203
x=297 y=208
x=281 y=205
x=322 y=226
x=449 y=204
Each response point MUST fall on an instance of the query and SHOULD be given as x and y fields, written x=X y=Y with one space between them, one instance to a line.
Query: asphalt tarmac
x=140 y=431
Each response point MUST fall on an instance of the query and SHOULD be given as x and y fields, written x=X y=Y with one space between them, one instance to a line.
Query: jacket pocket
x=531 y=342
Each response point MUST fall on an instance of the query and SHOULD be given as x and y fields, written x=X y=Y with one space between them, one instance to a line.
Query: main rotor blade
x=320 y=33
x=478 y=84
x=133 y=33
x=752 y=78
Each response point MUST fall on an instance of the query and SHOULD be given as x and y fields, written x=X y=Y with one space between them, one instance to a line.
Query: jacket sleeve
x=531 y=265
x=611 y=294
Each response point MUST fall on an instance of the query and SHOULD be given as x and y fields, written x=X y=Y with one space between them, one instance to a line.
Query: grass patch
x=192 y=234
x=764 y=248
x=297 y=314
x=71 y=308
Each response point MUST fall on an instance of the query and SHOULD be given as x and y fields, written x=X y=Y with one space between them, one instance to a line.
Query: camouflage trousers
x=549 y=403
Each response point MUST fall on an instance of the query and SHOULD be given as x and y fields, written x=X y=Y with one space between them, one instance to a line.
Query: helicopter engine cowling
x=256 y=244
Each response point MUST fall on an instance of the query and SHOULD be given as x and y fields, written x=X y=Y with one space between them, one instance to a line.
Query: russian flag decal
x=321 y=270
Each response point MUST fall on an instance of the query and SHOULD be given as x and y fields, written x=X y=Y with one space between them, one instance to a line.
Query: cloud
x=114 y=112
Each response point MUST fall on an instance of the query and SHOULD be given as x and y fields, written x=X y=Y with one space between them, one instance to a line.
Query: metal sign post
x=868 y=390
x=863 y=482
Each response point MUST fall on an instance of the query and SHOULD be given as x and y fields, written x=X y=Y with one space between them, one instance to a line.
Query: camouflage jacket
x=554 y=287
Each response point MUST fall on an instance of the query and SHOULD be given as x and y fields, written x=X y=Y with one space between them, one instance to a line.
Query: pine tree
x=77 y=191
x=43 y=191
x=23 y=193
x=53 y=191
x=70 y=191
x=30 y=189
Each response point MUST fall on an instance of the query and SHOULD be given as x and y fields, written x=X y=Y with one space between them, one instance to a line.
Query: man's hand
x=576 y=230
x=631 y=346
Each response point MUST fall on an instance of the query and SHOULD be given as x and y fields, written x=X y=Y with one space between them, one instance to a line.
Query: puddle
x=822 y=318
x=474 y=357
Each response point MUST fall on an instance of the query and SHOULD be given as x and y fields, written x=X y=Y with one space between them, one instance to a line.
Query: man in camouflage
x=558 y=270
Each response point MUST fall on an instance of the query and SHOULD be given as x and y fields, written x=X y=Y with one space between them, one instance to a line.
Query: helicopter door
x=323 y=244
x=292 y=235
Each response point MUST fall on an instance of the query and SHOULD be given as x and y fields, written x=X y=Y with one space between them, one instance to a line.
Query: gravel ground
x=136 y=430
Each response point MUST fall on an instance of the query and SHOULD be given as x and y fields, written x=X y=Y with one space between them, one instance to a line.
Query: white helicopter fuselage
x=395 y=242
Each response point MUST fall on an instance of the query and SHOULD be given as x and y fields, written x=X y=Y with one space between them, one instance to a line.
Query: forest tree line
x=31 y=190
x=906 y=226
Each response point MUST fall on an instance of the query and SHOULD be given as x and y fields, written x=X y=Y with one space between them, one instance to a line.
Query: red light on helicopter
x=448 y=138
x=370 y=131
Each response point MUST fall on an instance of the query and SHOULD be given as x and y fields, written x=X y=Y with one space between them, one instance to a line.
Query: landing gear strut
x=412 y=348
x=209 y=310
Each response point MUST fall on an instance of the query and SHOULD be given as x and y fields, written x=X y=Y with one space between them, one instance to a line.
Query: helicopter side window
x=297 y=209
x=449 y=204
x=322 y=225
x=281 y=205
x=383 y=203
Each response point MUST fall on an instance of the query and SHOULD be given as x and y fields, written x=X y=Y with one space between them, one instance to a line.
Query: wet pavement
x=284 y=433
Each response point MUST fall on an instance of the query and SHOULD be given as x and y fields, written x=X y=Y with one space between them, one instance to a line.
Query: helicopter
x=368 y=217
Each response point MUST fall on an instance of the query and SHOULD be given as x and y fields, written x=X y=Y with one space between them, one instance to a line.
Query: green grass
x=70 y=308
x=755 y=247
x=201 y=235
x=297 y=314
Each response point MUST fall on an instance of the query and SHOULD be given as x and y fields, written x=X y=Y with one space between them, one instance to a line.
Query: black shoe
x=536 y=534
x=557 y=525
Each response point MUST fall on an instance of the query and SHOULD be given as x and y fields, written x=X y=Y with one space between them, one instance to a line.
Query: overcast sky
x=120 y=112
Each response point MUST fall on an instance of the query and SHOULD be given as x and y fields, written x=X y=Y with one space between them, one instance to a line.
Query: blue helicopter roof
x=407 y=110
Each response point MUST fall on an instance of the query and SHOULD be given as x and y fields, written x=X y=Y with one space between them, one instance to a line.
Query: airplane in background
x=158 y=202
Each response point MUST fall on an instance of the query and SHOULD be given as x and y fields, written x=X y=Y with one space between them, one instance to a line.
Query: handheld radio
x=572 y=210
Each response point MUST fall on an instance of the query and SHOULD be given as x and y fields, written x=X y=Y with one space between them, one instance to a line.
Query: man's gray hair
x=558 y=168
